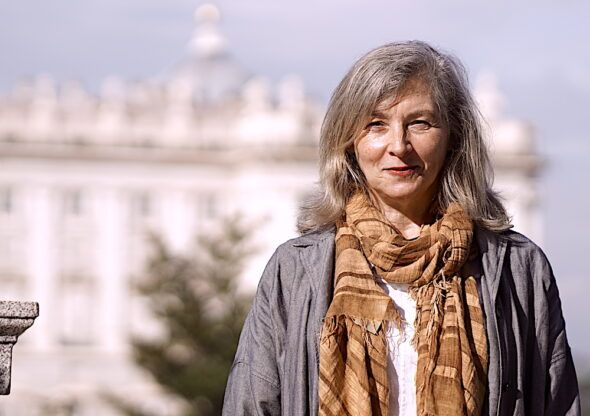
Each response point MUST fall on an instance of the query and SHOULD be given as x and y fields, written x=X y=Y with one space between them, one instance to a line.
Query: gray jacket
x=531 y=371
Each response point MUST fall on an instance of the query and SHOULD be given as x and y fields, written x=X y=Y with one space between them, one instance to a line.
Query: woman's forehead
x=419 y=90
x=396 y=89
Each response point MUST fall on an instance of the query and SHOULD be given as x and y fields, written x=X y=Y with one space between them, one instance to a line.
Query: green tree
x=197 y=301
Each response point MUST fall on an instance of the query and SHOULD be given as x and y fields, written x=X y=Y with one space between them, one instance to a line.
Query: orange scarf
x=450 y=335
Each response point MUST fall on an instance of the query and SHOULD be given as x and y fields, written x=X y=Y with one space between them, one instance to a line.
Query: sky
x=538 y=51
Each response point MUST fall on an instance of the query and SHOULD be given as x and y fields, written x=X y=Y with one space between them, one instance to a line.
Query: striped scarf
x=450 y=336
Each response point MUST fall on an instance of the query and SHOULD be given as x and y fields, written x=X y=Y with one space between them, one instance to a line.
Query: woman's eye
x=421 y=124
x=375 y=124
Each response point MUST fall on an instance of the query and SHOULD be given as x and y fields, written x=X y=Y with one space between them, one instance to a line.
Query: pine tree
x=196 y=299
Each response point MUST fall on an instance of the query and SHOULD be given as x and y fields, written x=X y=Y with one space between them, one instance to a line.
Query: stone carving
x=15 y=318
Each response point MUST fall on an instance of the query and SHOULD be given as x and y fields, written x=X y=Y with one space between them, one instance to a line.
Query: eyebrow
x=378 y=114
x=422 y=112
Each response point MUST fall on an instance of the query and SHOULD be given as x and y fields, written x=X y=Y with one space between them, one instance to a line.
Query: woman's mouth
x=401 y=170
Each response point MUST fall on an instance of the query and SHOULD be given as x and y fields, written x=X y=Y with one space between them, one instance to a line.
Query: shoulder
x=524 y=251
x=515 y=243
x=522 y=257
x=299 y=257
x=312 y=238
x=309 y=242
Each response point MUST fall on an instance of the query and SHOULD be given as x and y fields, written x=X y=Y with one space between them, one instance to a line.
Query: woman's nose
x=398 y=143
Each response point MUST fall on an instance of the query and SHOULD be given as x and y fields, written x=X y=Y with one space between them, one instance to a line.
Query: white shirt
x=403 y=357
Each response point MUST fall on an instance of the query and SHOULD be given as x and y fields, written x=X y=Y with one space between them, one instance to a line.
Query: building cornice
x=528 y=164
x=159 y=155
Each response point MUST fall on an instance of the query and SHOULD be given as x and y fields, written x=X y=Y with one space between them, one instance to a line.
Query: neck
x=407 y=219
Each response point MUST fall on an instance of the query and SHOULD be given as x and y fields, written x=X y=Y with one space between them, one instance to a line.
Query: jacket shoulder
x=290 y=247
x=288 y=264
x=517 y=243
x=308 y=239
x=527 y=258
x=522 y=245
x=518 y=239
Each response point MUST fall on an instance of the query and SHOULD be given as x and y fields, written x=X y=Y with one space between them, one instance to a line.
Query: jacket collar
x=317 y=255
x=492 y=247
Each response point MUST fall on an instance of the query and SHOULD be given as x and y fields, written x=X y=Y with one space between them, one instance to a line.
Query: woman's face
x=403 y=148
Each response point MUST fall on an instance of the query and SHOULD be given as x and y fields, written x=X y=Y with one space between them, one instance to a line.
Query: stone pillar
x=176 y=219
x=15 y=318
x=110 y=266
x=41 y=214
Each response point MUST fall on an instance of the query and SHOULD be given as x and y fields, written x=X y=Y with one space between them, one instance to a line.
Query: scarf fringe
x=335 y=326
x=440 y=287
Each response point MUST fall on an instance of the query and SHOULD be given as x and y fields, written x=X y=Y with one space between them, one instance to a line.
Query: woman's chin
x=400 y=194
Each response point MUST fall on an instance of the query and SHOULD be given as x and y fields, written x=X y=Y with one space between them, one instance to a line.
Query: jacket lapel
x=493 y=251
x=317 y=256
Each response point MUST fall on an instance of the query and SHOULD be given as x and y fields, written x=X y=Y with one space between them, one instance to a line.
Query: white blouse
x=403 y=357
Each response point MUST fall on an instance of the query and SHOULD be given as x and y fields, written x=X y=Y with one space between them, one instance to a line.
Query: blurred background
x=129 y=129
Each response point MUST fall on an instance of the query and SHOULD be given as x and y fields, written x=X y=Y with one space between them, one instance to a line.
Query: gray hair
x=466 y=176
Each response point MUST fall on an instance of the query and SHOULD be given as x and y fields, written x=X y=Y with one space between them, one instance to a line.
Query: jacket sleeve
x=561 y=388
x=253 y=387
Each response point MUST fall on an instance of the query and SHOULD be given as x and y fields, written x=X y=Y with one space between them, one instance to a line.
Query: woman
x=406 y=293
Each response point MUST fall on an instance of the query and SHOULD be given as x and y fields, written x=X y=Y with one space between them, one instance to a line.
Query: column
x=176 y=219
x=109 y=211
x=41 y=218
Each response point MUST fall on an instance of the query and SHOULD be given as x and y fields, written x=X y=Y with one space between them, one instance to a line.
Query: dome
x=509 y=136
x=489 y=98
x=210 y=70
x=513 y=137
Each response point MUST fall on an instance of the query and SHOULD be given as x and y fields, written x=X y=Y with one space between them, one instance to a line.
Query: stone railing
x=15 y=318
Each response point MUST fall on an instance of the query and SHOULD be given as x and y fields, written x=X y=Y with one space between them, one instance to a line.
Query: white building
x=84 y=176
x=517 y=165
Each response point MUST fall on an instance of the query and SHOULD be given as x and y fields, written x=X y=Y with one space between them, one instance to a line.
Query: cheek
x=369 y=152
x=437 y=158
x=435 y=153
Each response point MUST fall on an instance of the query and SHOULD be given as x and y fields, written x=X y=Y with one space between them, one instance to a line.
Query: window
x=77 y=252
x=6 y=201
x=77 y=310
x=12 y=252
x=142 y=205
x=207 y=206
x=72 y=203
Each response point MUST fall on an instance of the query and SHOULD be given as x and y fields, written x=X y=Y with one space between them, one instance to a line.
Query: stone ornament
x=15 y=318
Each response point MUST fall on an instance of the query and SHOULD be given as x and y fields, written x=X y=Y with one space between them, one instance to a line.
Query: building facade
x=84 y=176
